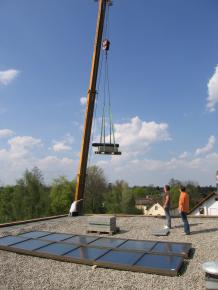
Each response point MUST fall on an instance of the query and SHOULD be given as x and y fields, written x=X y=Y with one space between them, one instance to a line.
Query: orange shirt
x=184 y=202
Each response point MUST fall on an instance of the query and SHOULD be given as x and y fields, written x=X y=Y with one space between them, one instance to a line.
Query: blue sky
x=163 y=67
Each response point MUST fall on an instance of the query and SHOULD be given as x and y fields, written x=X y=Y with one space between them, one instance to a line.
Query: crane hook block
x=106 y=44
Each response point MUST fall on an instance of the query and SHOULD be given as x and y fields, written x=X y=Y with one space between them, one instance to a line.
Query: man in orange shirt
x=184 y=208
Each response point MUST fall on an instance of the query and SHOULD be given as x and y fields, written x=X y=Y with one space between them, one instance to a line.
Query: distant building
x=208 y=206
x=150 y=206
x=144 y=203
x=155 y=210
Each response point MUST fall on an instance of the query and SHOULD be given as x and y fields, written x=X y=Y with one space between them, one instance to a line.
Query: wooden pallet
x=103 y=232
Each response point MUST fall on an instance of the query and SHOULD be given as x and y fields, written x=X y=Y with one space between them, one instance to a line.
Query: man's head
x=166 y=188
x=182 y=188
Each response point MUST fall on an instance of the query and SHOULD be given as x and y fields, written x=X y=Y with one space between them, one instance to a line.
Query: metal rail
x=31 y=221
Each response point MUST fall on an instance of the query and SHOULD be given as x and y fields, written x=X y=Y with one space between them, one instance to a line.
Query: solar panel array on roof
x=34 y=234
x=135 y=255
x=10 y=240
x=56 y=237
x=31 y=244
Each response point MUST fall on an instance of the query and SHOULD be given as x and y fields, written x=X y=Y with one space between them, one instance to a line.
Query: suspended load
x=106 y=148
x=107 y=144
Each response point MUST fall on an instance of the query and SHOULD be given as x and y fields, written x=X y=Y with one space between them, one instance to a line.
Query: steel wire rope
x=109 y=108
x=103 y=123
x=112 y=131
x=105 y=29
x=104 y=107
x=95 y=112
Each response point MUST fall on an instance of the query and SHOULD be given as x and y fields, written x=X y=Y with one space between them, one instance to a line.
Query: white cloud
x=7 y=76
x=60 y=147
x=18 y=157
x=207 y=148
x=22 y=154
x=212 y=85
x=184 y=155
x=158 y=172
x=63 y=144
x=4 y=133
x=83 y=101
x=53 y=167
x=22 y=145
x=137 y=135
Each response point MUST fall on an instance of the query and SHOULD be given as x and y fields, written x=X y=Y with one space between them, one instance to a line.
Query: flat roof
x=27 y=272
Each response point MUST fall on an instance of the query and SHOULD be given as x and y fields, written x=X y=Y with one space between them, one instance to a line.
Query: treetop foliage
x=30 y=197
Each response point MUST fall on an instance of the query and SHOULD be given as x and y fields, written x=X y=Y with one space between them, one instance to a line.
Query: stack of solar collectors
x=158 y=257
x=102 y=224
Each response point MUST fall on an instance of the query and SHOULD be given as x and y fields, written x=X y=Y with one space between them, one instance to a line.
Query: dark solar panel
x=30 y=245
x=57 y=249
x=87 y=253
x=175 y=248
x=143 y=256
x=56 y=237
x=160 y=263
x=10 y=240
x=120 y=257
x=34 y=234
x=81 y=239
x=105 y=242
x=137 y=245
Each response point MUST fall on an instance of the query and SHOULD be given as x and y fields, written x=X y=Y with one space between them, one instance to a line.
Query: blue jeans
x=185 y=221
x=168 y=217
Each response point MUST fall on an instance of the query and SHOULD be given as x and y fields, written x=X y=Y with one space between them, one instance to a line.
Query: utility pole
x=81 y=176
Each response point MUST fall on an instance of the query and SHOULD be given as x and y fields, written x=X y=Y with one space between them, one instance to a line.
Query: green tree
x=30 y=198
x=121 y=199
x=95 y=190
x=114 y=197
x=6 y=204
x=61 y=195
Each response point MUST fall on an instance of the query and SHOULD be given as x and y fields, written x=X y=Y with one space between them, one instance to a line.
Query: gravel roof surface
x=26 y=272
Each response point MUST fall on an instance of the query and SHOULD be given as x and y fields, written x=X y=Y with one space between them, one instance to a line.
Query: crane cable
x=105 y=31
x=106 y=87
x=95 y=113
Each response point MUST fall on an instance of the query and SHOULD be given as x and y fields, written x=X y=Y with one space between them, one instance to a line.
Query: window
x=201 y=210
x=156 y=207
x=216 y=198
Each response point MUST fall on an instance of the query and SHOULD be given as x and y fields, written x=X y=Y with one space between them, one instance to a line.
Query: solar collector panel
x=107 y=242
x=56 y=237
x=137 y=245
x=30 y=245
x=86 y=253
x=120 y=257
x=160 y=264
x=172 y=248
x=125 y=254
x=81 y=239
x=10 y=240
x=57 y=248
x=35 y=234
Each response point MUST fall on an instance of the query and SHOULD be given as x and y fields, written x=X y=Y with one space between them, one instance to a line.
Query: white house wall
x=156 y=209
x=210 y=207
